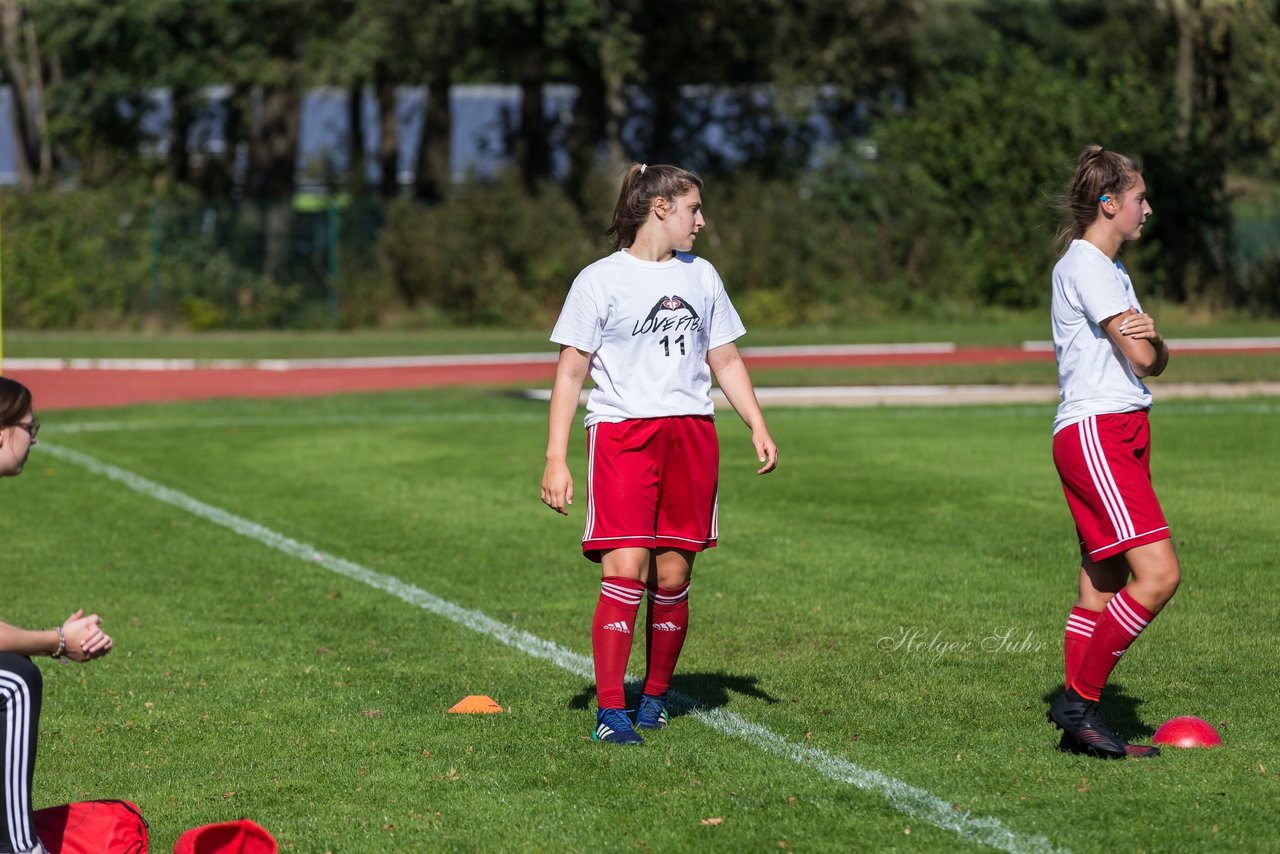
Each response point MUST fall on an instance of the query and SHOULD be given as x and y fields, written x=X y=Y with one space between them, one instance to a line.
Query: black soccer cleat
x=1068 y=744
x=1082 y=720
x=1141 y=750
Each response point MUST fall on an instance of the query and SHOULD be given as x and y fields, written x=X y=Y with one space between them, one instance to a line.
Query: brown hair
x=1098 y=172
x=15 y=401
x=640 y=186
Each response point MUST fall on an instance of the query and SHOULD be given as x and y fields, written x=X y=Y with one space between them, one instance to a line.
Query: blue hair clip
x=1104 y=198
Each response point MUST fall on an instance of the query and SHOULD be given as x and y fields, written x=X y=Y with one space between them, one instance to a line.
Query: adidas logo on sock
x=618 y=626
x=668 y=626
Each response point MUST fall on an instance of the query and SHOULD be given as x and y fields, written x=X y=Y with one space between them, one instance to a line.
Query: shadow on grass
x=1119 y=709
x=689 y=692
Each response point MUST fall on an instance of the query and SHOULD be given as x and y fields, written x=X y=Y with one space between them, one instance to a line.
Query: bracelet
x=62 y=643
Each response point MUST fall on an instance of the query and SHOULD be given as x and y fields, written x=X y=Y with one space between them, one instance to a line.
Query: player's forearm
x=559 y=423
x=26 y=641
x=735 y=382
x=565 y=392
x=1162 y=358
x=1147 y=358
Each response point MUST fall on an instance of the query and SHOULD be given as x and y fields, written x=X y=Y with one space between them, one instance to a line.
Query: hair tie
x=643 y=166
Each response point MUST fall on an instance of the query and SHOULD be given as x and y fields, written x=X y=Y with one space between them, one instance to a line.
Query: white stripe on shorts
x=715 y=515
x=17 y=717
x=1096 y=458
x=591 y=467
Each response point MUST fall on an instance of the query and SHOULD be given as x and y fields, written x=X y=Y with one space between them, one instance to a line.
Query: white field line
x=920 y=804
x=1184 y=344
x=450 y=361
x=850 y=349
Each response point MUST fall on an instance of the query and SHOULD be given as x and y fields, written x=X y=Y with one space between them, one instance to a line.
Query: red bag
x=92 y=827
x=230 y=837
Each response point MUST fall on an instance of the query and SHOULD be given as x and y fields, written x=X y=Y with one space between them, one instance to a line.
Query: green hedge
x=854 y=239
x=71 y=260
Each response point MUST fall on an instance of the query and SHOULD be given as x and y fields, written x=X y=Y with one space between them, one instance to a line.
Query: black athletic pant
x=20 y=687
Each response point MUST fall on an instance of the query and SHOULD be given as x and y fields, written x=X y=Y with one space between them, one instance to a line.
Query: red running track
x=68 y=387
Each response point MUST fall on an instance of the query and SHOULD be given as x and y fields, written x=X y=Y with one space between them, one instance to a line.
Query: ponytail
x=1098 y=172
x=640 y=186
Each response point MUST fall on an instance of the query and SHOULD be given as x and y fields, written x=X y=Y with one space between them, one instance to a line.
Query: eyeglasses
x=32 y=428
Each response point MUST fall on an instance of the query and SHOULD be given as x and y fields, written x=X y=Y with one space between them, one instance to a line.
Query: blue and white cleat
x=613 y=726
x=652 y=713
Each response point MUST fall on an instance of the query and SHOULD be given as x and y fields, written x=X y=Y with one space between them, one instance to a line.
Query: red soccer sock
x=1076 y=637
x=664 y=637
x=1117 y=628
x=611 y=632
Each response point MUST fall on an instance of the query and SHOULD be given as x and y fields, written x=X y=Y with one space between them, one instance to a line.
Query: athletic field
x=299 y=590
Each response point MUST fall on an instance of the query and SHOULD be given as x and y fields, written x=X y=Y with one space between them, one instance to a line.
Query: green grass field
x=300 y=589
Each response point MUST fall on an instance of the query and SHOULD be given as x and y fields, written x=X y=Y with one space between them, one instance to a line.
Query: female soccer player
x=1105 y=345
x=79 y=638
x=651 y=323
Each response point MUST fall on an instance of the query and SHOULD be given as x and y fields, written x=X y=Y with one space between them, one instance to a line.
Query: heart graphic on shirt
x=671 y=303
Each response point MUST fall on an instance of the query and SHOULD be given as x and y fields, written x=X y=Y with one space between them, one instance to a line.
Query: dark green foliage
x=72 y=261
x=99 y=259
x=952 y=124
x=859 y=238
x=492 y=256
x=962 y=186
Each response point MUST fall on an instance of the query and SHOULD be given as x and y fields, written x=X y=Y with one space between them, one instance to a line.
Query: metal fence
x=258 y=264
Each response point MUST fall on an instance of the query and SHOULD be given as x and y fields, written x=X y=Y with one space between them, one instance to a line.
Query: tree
x=595 y=41
x=962 y=186
x=842 y=55
x=97 y=106
x=1202 y=88
x=438 y=45
x=367 y=50
x=27 y=72
x=1255 y=111
x=514 y=33
x=404 y=44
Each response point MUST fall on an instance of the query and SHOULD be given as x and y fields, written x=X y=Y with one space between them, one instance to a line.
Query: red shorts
x=651 y=483
x=1105 y=465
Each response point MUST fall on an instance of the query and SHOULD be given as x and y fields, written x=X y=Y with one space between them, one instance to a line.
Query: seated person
x=79 y=638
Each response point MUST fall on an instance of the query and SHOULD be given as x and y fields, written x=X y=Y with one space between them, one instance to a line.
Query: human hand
x=85 y=638
x=1137 y=324
x=557 y=487
x=766 y=450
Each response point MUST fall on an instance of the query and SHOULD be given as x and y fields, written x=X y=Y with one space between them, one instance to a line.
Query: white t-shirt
x=648 y=326
x=1094 y=377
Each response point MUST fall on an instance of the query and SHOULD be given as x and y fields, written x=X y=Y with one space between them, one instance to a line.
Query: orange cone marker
x=476 y=704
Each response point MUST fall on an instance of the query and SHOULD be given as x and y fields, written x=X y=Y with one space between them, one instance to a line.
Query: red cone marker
x=1187 y=731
